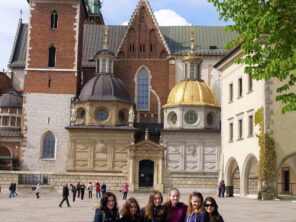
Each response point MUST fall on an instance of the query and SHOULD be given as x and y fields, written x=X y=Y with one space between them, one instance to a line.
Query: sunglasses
x=209 y=205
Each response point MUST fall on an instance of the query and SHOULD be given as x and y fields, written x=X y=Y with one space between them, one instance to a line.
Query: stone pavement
x=26 y=208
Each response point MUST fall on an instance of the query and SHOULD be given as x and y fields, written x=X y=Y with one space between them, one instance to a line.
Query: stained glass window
x=48 y=147
x=143 y=92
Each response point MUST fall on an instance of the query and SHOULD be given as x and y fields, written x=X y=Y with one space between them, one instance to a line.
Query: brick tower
x=52 y=78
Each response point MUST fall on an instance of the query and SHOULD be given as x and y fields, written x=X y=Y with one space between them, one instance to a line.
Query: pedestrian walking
x=82 y=189
x=103 y=188
x=65 y=196
x=90 y=190
x=125 y=190
x=221 y=189
x=74 y=191
x=38 y=190
x=98 y=190
x=78 y=189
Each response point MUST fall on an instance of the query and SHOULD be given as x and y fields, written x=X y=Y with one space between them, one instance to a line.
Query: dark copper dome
x=104 y=87
x=11 y=99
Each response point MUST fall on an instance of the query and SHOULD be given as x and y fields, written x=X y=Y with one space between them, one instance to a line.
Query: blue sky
x=115 y=12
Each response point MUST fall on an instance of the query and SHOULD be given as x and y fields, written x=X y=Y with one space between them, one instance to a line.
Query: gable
x=143 y=38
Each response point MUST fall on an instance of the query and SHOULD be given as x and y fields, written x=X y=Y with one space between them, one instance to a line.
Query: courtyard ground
x=26 y=208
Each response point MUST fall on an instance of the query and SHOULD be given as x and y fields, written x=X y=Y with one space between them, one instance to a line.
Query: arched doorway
x=233 y=176
x=146 y=173
x=287 y=175
x=5 y=158
x=250 y=176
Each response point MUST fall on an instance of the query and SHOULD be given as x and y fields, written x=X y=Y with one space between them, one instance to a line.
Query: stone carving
x=73 y=114
x=131 y=116
x=146 y=134
x=132 y=139
x=132 y=154
x=101 y=148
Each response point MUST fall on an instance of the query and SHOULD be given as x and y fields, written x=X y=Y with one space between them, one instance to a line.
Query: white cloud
x=167 y=17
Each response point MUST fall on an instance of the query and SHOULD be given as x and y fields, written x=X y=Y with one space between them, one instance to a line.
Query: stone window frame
x=230 y=130
x=52 y=155
x=8 y=115
x=169 y=118
x=102 y=108
x=212 y=114
x=146 y=106
x=192 y=111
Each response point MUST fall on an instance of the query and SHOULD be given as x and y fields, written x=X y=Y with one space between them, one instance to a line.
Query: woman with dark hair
x=195 y=211
x=131 y=211
x=176 y=209
x=211 y=208
x=108 y=209
x=154 y=211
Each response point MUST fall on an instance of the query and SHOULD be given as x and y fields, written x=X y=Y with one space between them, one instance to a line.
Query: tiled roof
x=177 y=38
x=11 y=99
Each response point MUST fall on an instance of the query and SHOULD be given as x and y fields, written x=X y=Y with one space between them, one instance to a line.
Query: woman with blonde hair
x=195 y=211
x=176 y=209
x=131 y=211
x=154 y=211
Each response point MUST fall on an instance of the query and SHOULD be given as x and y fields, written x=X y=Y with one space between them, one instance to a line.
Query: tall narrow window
x=143 y=90
x=186 y=70
x=240 y=87
x=104 y=65
x=230 y=92
x=51 y=56
x=192 y=71
x=251 y=126
x=48 y=146
x=54 y=19
x=230 y=132
x=250 y=81
x=240 y=129
x=98 y=66
x=110 y=66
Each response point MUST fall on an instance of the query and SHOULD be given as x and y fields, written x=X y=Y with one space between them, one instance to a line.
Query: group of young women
x=198 y=209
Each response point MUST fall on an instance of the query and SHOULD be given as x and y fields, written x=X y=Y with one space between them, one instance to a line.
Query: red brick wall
x=144 y=32
x=63 y=38
x=5 y=83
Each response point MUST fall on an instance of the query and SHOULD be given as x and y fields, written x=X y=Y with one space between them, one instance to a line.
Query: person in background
x=74 y=191
x=90 y=190
x=98 y=190
x=125 y=190
x=195 y=211
x=38 y=190
x=82 y=189
x=131 y=211
x=176 y=209
x=108 y=209
x=154 y=211
x=78 y=189
x=103 y=188
x=65 y=195
x=221 y=189
x=211 y=208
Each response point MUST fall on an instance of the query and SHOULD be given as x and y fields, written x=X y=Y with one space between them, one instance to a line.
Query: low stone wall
x=113 y=181
x=192 y=182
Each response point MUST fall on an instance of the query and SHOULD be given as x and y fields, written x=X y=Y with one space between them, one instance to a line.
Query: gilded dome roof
x=104 y=88
x=191 y=93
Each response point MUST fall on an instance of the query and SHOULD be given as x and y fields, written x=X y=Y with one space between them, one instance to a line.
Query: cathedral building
x=112 y=103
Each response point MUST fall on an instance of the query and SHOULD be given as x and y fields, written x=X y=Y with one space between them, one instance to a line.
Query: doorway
x=146 y=171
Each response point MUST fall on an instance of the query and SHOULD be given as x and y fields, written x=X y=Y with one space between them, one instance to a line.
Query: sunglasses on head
x=209 y=205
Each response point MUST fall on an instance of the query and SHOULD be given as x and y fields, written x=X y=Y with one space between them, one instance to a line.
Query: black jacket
x=65 y=191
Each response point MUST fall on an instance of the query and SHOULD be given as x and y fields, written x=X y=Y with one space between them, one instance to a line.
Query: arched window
x=143 y=90
x=51 y=56
x=48 y=146
x=54 y=19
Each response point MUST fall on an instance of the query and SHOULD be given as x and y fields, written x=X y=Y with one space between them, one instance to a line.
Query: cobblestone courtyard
x=26 y=208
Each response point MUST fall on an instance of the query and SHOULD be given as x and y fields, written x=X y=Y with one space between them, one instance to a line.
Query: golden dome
x=189 y=92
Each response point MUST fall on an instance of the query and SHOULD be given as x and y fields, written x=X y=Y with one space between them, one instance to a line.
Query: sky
x=115 y=12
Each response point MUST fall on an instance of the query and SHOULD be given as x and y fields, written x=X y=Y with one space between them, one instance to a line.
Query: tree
x=267 y=34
